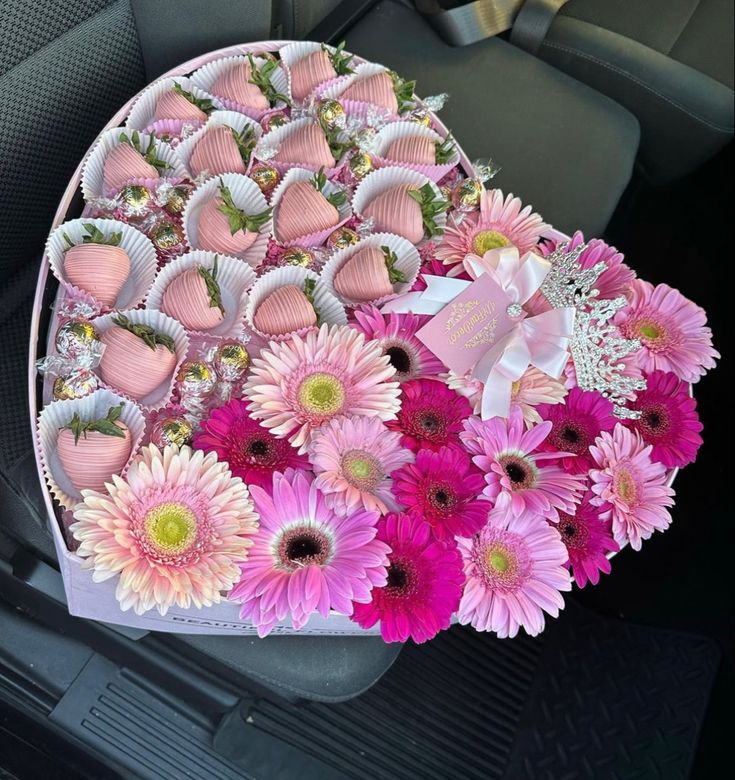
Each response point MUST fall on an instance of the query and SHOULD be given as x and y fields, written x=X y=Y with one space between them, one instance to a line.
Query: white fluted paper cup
x=58 y=414
x=94 y=166
x=246 y=195
x=395 y=130
x=320 y=236
x=383 y=179
x=142 y=114
x=205 y=77
x=163 y=324
x=408 y=263
x=235 y=277
x=330 y=310
x=137 y=246
x=270 y=143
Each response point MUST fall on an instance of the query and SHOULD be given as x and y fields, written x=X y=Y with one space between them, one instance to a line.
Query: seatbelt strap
x=533 y=23
x=471 y=22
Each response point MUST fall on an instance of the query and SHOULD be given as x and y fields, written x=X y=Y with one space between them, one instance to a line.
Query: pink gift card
x=467 y=327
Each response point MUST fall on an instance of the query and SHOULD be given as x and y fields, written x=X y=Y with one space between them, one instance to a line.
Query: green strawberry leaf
x=261 y=78
x=245 y=141
x=96 y=236
x=395 y=275
x=404 y=92
x=446 y=150
x=237 y=218
x=203 y=104
x=146 y=333
x=213 y=288
x=309 y=291
x=341 y=62
x=431 y=207
x=106 y=425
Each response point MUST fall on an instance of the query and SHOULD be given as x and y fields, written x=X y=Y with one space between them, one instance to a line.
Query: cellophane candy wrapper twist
x=372 y=386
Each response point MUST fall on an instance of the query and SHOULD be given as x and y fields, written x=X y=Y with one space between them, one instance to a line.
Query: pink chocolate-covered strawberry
x=376 y=89
x=395 y=211
x=194 y=298
x=98 y=266
x=309 y=72
x=285 y=310
x=222 y=150
x=223 y=227
x=306 y=145
x=124 y=164
x=303 y=210
x=368 y=275
x=137 y=359
x=91 y=451
x=236 y=84
x=413 y=149
x=173 y=104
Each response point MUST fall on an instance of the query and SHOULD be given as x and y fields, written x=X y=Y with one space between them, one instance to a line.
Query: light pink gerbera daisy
x=611 y=283
x=515 y=572
x=575 y=426
x=396 y=334
x=532 y=389
x=431 y=415
x=672 y=331
x=296 y=386
x=443 y=488
x=174 y=530
x=669 y=419
x=507 y=454
x=424 y=583
x=353 y=458
x=306 y=558
x=501 y=221
x=629 y=487
x=588 y=540
x=252 y=451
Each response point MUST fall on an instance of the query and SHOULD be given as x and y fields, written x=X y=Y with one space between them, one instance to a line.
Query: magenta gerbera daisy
x=396 y=334
x=515 y=477
x=588 y=540
x=353 y=458
x=668 y=419
x=424 y=583
x=671 y=328
x=296 y=386
x=174 y=530
x=501 y=221
x=443 y=488
x=252 y=451
x=629 y=487
x=306 y=558
x=437 y=268
x=515 y=572
x=431 y=415
x=575 y=425
x=612 y=282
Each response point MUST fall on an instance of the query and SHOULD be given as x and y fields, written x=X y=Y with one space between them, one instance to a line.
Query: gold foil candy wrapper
x=135 y=199
x=421 y=117
x=295 y=255
x=265 y=176
x=274 y=120
x=361 y=163
x=173 y=429
x=331 y=114
x=195 y=378
x=77 y=384
x=466 y=195
x=176 y=201
x=231 y=360
x=76 y=338
x=167 y=235
x=342 y=238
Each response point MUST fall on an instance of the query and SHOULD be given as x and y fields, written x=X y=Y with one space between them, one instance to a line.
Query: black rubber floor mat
x=591 y=698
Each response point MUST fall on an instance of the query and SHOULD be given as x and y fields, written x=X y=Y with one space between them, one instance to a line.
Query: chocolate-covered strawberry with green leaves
x=368 y=275
x=194 y=298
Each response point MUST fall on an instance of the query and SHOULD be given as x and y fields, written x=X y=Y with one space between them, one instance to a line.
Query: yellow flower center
x=514 y=388
x=322 y=394
x=485 y=240
x=360 y=469
x=626 y=486
x=171 y=526
x=650 y=330
x=498 y=560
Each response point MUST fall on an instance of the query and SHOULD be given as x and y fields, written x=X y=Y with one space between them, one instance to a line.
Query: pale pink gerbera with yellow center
x=353 y=458
x=532 y=389
x=174 y=530
x=501 y=221
x=629 y=487
x=297 y=386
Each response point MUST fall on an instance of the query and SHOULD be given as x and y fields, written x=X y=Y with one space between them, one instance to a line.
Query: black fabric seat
x=562 y=146
x=669 y=62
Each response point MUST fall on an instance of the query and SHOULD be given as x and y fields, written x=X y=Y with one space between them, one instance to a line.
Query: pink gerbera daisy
x=575 y=425
x=588 y=540
x=533 y=388
x=501 y=221
x=629 y=487
x=298 y=385
x=353 y=458
x=668 y=419
x=174 y=530
x=424 y=583
x=431 y=415
x=506 y=454
x=515 y=571
x=672 y=331
x=612 y=282
x=396 y=334
x=437 y=268
x=252 y=451
x=306 y=558
x=443 y=488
